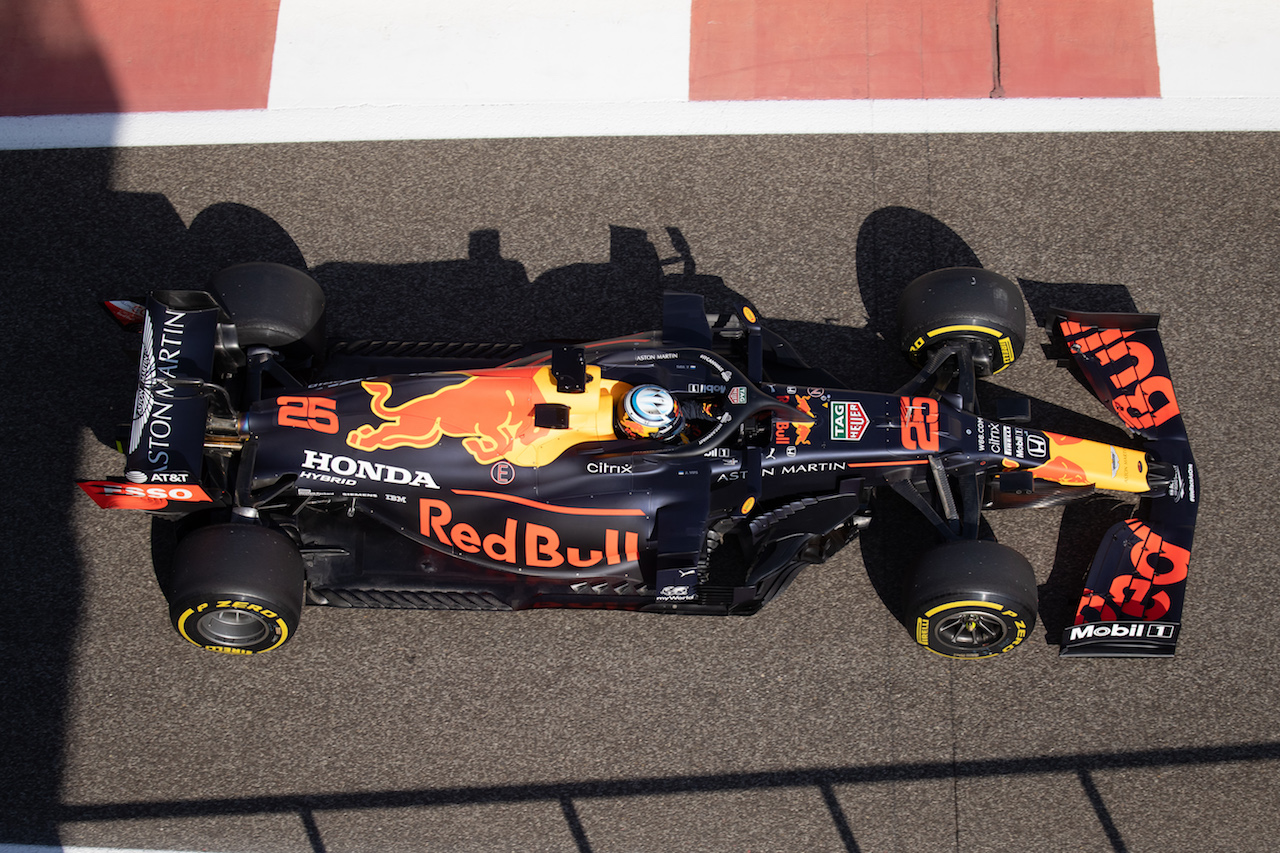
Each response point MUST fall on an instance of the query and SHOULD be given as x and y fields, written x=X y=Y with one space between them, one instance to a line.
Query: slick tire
x=972 y=599
x=236 y=588
x=273 y=305
x=963 y=304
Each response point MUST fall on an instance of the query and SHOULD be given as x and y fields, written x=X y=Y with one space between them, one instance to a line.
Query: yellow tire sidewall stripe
x=182 y=629
x=951 y=605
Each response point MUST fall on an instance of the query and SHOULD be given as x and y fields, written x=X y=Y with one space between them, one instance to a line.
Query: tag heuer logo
x=738 y=395
x=848 y=421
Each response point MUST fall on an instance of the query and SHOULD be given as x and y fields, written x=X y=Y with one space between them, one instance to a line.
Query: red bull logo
x=1156 y=564
x=489 y=411
x=521 y=542
x=802 y=429
x=793 y=432
x=1078 y=462
x=1131 y=367
x=492 y=413
x=1062 y=470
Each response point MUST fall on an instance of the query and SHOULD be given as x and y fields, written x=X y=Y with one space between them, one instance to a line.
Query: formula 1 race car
x=695 y=469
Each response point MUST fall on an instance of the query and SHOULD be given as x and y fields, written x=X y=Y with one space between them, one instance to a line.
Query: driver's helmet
x=649 y=411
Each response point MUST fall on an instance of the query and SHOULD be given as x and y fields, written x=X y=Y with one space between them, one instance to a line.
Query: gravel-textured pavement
x=816 y=725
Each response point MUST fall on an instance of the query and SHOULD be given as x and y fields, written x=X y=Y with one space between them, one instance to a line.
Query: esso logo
x=164 y=493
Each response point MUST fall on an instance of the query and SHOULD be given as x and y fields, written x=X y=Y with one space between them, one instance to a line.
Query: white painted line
x=1032 y=115
x=1212 y=48
x=337 y=53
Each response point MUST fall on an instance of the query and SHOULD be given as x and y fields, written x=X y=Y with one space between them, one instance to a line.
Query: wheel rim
x=971 y=629
x=235 y=628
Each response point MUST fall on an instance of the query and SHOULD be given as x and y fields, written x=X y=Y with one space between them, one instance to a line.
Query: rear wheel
x=963 y=304
x=972 y=599
x=236 y=588
x=273 y=305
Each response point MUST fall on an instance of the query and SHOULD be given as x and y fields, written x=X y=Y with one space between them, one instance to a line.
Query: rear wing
x=1133 y=596
x=165 y=447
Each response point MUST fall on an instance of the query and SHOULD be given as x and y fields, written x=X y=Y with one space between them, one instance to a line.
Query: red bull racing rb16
x=695 y=469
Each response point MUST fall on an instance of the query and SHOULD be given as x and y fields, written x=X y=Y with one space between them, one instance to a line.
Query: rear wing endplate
x=165 y=449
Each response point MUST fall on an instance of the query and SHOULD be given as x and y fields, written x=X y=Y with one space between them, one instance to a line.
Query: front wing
x=1133 y=596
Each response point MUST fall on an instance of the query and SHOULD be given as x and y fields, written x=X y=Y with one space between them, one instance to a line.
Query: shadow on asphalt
x=566 y=795
x=60 y=222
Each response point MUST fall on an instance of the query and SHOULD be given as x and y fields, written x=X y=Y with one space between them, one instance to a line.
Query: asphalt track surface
x=816 y=725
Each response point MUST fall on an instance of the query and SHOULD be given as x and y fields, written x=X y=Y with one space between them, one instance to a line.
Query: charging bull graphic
x=492 y=412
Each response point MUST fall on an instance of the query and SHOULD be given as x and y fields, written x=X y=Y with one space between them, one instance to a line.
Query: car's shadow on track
x=70 y=240
x=827 y=783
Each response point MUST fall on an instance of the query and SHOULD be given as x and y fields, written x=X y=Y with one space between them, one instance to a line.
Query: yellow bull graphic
x=492 y=412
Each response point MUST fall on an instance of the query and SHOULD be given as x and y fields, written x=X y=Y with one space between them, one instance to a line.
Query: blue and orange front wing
x=1132 y=601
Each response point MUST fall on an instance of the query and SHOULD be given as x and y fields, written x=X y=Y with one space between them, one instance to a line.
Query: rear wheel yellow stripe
x=182 y=629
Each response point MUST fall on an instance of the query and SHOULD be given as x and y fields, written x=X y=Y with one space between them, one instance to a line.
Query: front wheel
x=973 y=599
x=963 y=304
x=236 y=588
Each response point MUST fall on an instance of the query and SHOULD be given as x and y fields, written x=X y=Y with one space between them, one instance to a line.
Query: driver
x=651 y=411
